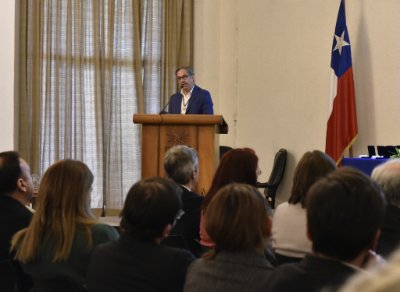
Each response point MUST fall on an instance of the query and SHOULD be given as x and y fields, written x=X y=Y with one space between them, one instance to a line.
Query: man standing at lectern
x=190 y=99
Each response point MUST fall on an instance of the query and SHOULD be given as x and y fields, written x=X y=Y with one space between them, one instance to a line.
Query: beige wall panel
x=7 y=52
x=274 y=68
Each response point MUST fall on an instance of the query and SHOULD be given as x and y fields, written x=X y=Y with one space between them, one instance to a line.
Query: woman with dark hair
x=238 y=222
x=237 y=166
x=63 y=231
x=289 y=238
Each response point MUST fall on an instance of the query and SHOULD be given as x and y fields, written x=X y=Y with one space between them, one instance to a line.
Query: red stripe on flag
x=342 y=124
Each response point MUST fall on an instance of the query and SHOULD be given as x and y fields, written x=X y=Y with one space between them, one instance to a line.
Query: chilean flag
x=342 y=127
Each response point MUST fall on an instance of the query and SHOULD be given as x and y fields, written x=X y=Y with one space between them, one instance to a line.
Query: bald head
x=387 y=176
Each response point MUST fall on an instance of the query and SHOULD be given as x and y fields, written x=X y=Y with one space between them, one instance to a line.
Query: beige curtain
x=86 y=68
x=177 y=43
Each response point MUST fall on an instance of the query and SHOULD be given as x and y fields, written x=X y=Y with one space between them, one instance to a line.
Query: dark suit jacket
x=390 y=232
x=13 y=217
x=128 y=264
x=311 y=274
x=189 y=224
x=200 y=102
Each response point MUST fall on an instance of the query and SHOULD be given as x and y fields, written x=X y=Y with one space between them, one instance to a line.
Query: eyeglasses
x=183 y=77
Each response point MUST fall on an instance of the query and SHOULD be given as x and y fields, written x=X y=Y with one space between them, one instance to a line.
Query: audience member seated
x=181 y=166
x=289 y=239
x=238 y=222
x=382 y=279
x=236 y=166
x=136 y=261
x=16 y=188
x=388 y=177
x=63 y=232
x=344 y=213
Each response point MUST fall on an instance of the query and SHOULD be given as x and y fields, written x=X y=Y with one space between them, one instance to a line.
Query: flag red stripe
x=342 y=124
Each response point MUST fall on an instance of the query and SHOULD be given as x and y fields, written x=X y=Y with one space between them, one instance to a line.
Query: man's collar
x=189 y=91
x=185 y=187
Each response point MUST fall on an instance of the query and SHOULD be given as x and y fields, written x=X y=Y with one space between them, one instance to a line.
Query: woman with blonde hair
x=63 y=231
x=238 y=222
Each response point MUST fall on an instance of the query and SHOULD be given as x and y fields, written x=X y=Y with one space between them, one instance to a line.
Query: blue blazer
x=200 y=102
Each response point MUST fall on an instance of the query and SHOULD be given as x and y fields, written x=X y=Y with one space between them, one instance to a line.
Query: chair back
x=223 y=150
x=276 y=176
x=278 y=169
x=59 y=285
x=8 y=277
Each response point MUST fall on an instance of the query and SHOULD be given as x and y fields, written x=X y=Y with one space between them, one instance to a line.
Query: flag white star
x=340 y=42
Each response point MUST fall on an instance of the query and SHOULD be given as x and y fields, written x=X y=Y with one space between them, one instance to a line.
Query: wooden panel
x=171 y=135
x=159 y=133
x=150 y=146
x=206 y=158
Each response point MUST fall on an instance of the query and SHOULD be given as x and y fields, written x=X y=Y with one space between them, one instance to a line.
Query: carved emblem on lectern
x=176 y=137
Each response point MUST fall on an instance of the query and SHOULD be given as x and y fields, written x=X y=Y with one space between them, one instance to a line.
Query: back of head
x=64 y=191
x=311 y=167
x=149 y=207
x=388 y=177
x=179 y=162
x=344 y=212
x=10 y=172
x=236 y=219
x=236 y=166
x=63 y=206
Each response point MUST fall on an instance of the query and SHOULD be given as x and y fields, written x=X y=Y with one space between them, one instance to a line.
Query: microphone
x=163 y=112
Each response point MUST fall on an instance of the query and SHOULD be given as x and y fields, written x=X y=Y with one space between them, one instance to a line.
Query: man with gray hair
x=190 y=99
x=181 y=166
x=387 y=175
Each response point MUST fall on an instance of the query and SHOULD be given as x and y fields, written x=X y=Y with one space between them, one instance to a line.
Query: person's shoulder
x=177 y=254
x=194 y=195
x=199 y=89
x=284 y=276
x=288 y=207
x=101 y=231
x=176 y=95
x=13 y=210
x=197 y=265
x=281 y=208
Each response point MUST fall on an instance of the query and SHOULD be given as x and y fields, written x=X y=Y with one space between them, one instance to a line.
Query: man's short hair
x=387 y=175
x=151 y=205
x=10 y=171
x=179 y=162
x=344 y=212
x=189 y=70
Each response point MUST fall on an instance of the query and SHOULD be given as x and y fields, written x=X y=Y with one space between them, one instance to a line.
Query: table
x=366 y=165
x=114 y=221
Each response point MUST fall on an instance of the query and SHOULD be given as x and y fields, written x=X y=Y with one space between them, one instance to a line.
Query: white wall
x=274 y=58
x=266 y=64
x=8 y=128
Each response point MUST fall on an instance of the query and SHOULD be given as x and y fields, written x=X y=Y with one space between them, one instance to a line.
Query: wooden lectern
x=161 y=132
